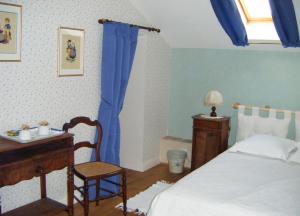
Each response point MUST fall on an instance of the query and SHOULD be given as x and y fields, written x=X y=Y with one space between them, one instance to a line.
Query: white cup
x=25 y=135
x=44 y=130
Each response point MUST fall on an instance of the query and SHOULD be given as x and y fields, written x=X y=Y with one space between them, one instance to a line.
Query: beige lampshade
x=213 y=98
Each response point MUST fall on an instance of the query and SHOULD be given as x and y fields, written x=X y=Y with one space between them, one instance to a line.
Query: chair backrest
x=85 y=120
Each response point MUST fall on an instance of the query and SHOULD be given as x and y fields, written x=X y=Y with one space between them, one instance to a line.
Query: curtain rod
x=101 y=21
x=264 y=109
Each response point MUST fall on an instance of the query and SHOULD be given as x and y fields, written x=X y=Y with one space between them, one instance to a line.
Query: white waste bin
x=176 y=159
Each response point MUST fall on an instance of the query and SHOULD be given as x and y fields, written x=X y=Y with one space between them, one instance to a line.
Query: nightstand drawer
x=204 y=124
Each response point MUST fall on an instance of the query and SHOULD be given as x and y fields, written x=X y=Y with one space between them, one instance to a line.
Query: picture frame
x=10 y=32
x=70 y=52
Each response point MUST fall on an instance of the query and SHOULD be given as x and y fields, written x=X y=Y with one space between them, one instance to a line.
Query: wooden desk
x=24 y=161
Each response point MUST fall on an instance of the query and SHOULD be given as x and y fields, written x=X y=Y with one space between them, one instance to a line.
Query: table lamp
x=213 y=99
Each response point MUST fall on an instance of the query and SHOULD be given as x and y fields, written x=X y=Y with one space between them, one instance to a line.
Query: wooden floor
x=136 y=182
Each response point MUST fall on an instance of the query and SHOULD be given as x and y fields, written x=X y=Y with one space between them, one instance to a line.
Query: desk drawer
x=26 y=169
x=53 y=161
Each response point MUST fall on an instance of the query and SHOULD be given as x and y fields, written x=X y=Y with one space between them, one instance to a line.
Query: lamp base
x=213 y=112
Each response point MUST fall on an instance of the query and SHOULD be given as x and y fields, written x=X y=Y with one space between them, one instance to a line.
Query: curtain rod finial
x=101 y=21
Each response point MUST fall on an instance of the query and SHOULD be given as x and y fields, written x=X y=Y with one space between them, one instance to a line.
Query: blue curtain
x=231 y=21
x=118 y=50
x=285 y=22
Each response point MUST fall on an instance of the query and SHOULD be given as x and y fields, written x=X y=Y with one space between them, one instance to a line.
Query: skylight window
x=257 y=18
x=256 y=10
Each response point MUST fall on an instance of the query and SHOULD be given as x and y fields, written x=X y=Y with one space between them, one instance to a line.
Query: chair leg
x=86 y=197
x=97 y=191
x=124 y=193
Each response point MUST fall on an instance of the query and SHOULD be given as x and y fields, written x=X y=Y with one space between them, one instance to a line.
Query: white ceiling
x=191 y=23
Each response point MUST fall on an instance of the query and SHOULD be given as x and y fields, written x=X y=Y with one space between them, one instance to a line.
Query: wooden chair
x=96 y=170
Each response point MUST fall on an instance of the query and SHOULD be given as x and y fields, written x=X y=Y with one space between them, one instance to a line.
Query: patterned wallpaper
x=30 y=91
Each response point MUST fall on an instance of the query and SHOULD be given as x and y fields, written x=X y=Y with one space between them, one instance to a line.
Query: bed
x=236 y=184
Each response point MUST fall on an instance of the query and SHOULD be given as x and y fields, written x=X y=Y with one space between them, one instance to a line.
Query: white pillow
x=267 y=146
x=295 y=155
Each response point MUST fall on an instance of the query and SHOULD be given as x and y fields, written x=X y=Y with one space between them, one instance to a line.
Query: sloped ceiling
x=191 y=23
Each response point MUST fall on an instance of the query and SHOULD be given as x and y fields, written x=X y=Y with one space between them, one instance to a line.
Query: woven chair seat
x=95 y=169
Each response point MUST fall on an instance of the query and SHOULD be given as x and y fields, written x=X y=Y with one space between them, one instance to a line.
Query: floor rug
x=140 y=203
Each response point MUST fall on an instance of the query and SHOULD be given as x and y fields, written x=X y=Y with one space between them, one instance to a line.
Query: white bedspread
x=234 y=184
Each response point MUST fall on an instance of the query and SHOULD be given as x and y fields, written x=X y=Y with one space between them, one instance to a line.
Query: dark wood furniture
x=24 y=161
x=210 y=138
x=96 y=170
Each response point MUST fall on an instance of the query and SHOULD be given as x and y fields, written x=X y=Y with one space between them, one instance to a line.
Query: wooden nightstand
x=210 y=138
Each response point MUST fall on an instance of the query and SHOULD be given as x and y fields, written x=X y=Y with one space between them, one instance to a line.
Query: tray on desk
x=34 y=135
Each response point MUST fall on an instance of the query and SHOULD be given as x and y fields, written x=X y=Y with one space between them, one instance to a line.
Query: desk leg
x=70 y=190
x=43 y=186
x=0 y=207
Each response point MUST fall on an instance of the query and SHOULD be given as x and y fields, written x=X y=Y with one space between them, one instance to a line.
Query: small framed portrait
x=10 y=32
x=70 y=51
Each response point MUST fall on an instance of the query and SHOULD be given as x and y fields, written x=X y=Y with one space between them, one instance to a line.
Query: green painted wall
x=248 y=77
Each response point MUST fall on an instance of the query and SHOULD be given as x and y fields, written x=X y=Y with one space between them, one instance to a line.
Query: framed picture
x=10 y=32
x=70 y=51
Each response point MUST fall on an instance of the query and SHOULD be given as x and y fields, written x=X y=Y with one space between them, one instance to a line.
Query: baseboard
x=150 y=163
x=137 y=166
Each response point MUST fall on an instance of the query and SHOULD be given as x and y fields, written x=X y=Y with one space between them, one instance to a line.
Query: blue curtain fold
x=230 y=19
x=285 y=22
x=118 y=50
